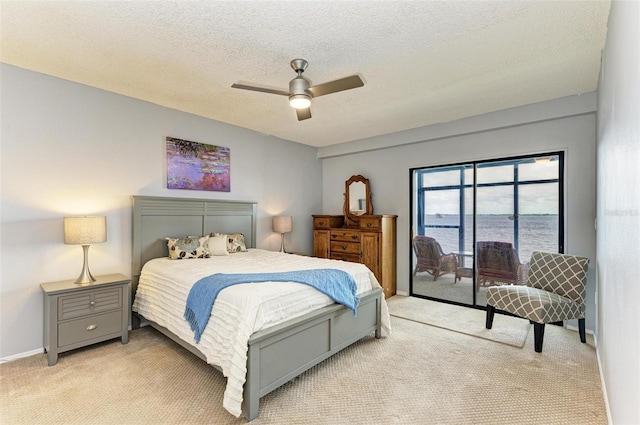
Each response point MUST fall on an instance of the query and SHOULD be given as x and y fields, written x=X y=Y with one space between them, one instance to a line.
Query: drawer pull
x=92 y=303
x=354 y=237
x=344 y=247
x=368 y=224
x=91 y=327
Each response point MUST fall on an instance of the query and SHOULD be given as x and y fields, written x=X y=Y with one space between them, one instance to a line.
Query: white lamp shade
x=282 y=224
x=85 y=230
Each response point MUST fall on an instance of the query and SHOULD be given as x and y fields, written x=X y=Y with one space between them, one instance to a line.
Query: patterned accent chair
x=431 y=259
x=498 y=263
x=555 y=291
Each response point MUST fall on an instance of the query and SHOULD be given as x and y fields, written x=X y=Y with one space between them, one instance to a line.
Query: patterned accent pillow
x=235 y=242
x=189 y=247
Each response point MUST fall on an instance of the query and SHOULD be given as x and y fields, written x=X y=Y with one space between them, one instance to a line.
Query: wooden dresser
x=372 y=243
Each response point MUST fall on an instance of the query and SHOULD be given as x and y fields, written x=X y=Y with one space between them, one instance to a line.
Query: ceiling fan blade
x=260 y=89
x=303 y=114
x=346 y=83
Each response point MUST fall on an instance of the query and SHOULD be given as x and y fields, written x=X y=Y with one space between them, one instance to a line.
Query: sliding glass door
x=444 y=214
x=486 y=209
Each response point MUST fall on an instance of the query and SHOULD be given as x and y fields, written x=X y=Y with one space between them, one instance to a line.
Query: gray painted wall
x=542 y=127
x=619 y=213
x=69 y=149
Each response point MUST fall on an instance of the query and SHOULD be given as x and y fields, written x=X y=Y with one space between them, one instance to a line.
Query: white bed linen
x=239 y=310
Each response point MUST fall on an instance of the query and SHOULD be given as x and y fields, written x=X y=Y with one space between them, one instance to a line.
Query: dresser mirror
x=357 y=200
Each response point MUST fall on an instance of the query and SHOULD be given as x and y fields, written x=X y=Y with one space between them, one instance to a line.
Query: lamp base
x=282 y=243
x=85 y=277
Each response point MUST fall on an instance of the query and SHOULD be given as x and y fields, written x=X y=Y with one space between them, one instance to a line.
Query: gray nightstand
x=79 y=315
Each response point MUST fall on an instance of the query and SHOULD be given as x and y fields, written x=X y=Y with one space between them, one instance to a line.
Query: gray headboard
x=155 y=218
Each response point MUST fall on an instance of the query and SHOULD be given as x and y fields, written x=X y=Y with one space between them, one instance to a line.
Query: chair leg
x=538 y=336
x=491 y=310
x=583 y=336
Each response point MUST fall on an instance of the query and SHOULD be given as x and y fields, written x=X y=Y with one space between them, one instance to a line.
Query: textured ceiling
x=423 y=62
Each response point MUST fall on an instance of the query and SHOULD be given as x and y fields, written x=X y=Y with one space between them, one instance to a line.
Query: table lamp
x=85 y=231
x=282 y=224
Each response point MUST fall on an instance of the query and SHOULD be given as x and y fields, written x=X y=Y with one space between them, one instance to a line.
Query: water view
x=537 y=232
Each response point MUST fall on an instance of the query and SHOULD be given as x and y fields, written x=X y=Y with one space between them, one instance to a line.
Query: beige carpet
x=506 y=329
x=419 y=375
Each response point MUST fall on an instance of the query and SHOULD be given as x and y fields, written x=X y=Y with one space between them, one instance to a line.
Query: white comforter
x=239 y=310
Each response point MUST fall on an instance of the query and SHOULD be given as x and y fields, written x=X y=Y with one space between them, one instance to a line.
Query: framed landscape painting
x=197 y=166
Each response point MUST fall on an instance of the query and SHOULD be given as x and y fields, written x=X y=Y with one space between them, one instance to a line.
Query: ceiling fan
x=300 y=91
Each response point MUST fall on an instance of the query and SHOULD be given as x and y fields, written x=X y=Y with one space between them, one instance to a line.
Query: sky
x=533 y=199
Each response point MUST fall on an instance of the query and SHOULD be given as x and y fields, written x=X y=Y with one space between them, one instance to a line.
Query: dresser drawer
x=326 y=222
x=87 y=328
x=345 y=257
x=345 y=248
x=345 y=235
x=370 y=223
x=89 y=302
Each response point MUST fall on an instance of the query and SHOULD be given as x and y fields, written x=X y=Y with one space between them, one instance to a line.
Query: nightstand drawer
x=87 y=328
x=89 y=302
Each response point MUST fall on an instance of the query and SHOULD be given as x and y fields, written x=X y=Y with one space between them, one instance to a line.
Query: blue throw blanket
x=337 y=284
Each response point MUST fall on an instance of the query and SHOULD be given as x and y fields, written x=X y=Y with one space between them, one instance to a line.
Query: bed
x=282 y=348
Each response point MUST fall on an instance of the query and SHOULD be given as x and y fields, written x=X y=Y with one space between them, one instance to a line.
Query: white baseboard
x=21 y=355
x=404 y=294
x=602 y=382
x=40 y=350
x=575 y=328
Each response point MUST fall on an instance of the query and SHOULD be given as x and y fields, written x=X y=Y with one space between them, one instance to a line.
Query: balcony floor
x=445 y=289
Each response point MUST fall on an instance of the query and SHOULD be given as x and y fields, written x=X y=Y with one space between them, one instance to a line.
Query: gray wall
x=563 y=124
x=69 y=149
x=618 y=162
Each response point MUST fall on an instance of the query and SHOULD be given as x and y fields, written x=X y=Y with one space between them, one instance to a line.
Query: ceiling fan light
x=299 y=101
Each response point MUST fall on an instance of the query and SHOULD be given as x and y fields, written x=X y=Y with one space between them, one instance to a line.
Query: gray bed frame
x=277 y=354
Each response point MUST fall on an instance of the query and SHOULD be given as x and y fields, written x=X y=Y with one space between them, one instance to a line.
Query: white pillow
x=235 y=242
x=218 y=245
